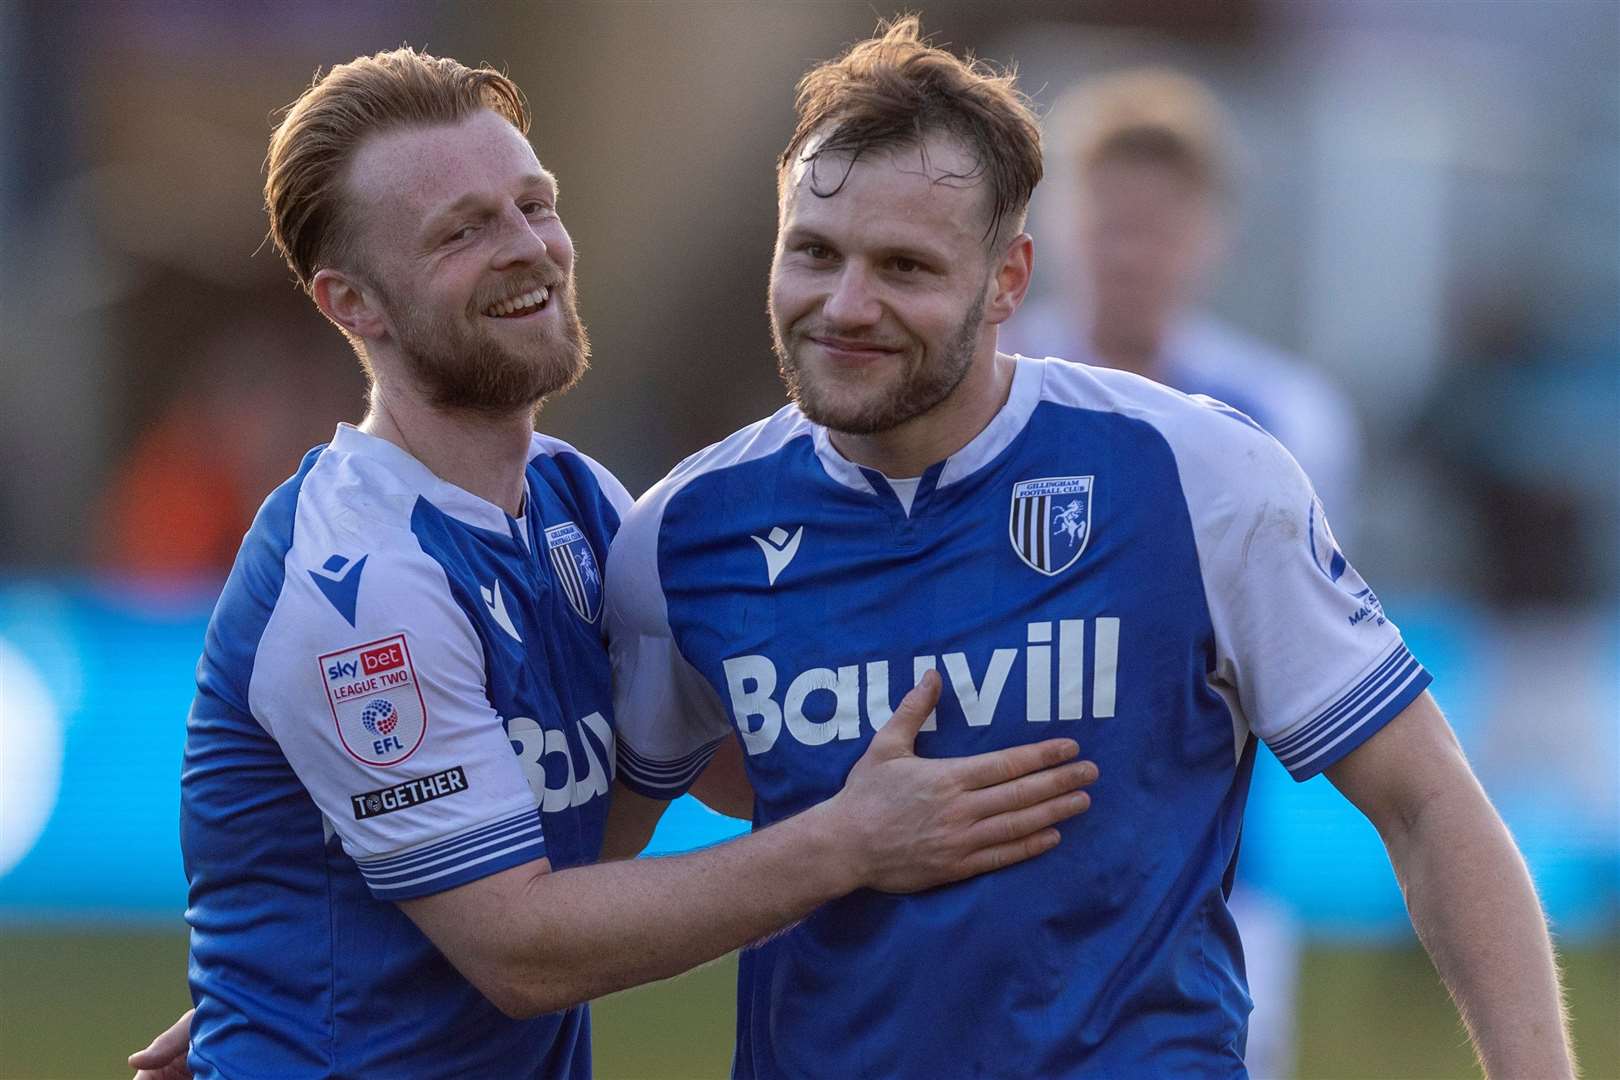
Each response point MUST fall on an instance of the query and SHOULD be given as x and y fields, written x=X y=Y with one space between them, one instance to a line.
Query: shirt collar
x=983 y=448
x=459 y=503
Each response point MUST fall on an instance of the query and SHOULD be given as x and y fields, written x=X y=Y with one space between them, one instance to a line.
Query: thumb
x=167 y=1047
x=899 y=735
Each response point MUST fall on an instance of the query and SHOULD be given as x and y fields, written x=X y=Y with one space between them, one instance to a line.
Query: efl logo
x=376 y=700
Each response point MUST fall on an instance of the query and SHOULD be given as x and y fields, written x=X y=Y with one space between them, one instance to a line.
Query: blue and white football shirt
x=403 y=690
x=1109 y=560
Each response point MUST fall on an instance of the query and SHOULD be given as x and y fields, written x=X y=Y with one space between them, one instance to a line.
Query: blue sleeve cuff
x=665 y=780
x=1355 y=717
x=477 y=853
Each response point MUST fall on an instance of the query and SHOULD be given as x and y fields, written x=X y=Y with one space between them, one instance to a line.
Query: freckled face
x=878 y=284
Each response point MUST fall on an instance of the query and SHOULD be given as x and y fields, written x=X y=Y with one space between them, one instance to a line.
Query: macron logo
x=779 y=549
x=341 y=591
x=495 y=601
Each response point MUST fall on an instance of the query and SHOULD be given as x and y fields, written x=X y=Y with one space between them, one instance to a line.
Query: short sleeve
x=386 y=722
x=670 y=719
x=1303 y=644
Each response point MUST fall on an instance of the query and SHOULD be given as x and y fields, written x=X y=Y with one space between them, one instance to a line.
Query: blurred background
x=1423 y=221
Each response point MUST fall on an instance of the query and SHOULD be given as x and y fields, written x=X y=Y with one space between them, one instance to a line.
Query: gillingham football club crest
x=576 y=567
x=1051 y=521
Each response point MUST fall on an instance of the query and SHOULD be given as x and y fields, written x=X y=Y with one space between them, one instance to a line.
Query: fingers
x=150 y=1058
x=168 y=1046
x=1015 y=825
x=1001 y=766
x=1027 y=791
x=1017 y=817
x=1000 y=856
x=899 y=735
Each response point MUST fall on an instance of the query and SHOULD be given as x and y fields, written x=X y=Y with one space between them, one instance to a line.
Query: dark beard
x=920 y=389
x=468 y=370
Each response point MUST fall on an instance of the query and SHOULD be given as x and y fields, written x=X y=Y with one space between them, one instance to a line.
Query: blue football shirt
x=1146 y=572
x=403 y=689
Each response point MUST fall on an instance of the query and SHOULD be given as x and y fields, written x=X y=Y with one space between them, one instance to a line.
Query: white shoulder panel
x=1304 y=650
x=1305 y=411
x=384 y=685
x=670 y=719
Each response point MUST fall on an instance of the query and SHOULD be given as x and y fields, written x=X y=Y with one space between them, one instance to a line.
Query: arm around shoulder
x=534 y=941
x=632 y=817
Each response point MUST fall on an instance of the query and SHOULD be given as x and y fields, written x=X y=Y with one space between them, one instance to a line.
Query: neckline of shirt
x=905 y=489
x=458 y=502
x=996 y=436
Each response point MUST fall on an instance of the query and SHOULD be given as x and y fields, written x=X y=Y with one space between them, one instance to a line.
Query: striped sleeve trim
x=1356 y=716
x=469 y=856
x=664 y=780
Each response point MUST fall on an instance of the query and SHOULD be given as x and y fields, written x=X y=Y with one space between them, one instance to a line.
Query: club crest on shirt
x=576 y=567
x=1051 y=521
x=376 y=700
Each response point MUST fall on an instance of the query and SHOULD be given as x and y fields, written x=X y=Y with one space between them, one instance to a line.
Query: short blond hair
x=1151 y=114
x=311 y=148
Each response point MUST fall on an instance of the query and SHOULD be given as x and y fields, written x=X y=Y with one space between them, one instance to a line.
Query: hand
x=913 y=823
x=165 y=1058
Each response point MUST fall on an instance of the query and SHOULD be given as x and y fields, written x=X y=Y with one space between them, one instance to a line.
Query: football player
x=398 y=760
x=1075 y=550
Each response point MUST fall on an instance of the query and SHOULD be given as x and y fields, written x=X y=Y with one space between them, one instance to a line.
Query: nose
x=521 y=243
x=852 y=302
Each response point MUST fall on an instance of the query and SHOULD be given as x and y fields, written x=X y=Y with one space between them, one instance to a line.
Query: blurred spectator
x=1154 y=165
x=224 y=429
x=180 y=508
x=1152 y=158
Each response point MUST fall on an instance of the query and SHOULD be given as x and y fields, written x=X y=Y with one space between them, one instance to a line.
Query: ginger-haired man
x=399 y=756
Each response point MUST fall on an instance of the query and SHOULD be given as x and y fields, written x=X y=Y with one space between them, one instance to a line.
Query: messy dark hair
x=895 y=90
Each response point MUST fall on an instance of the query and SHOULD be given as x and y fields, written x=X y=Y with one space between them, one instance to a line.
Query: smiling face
x=880 y=282
x=457 y=235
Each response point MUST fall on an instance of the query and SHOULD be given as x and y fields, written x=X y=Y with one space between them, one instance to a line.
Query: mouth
x=850 y=350
x=520 y=306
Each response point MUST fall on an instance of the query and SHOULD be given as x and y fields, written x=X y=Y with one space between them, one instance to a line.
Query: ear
x=348 y=303
x=1011 y=279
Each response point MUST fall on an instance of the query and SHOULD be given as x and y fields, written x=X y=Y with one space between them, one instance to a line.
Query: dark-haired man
x=399 y=756
x=1076 y=550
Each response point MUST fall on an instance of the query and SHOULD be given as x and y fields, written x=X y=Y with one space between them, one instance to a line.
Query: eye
x=905 y=265
x=461 y=234
x=536 y=208
x=818 y=252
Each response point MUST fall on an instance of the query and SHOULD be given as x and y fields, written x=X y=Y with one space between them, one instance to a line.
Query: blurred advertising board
x=95 y=682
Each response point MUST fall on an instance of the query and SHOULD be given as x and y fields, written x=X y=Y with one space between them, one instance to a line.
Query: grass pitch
x=73 y=1004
